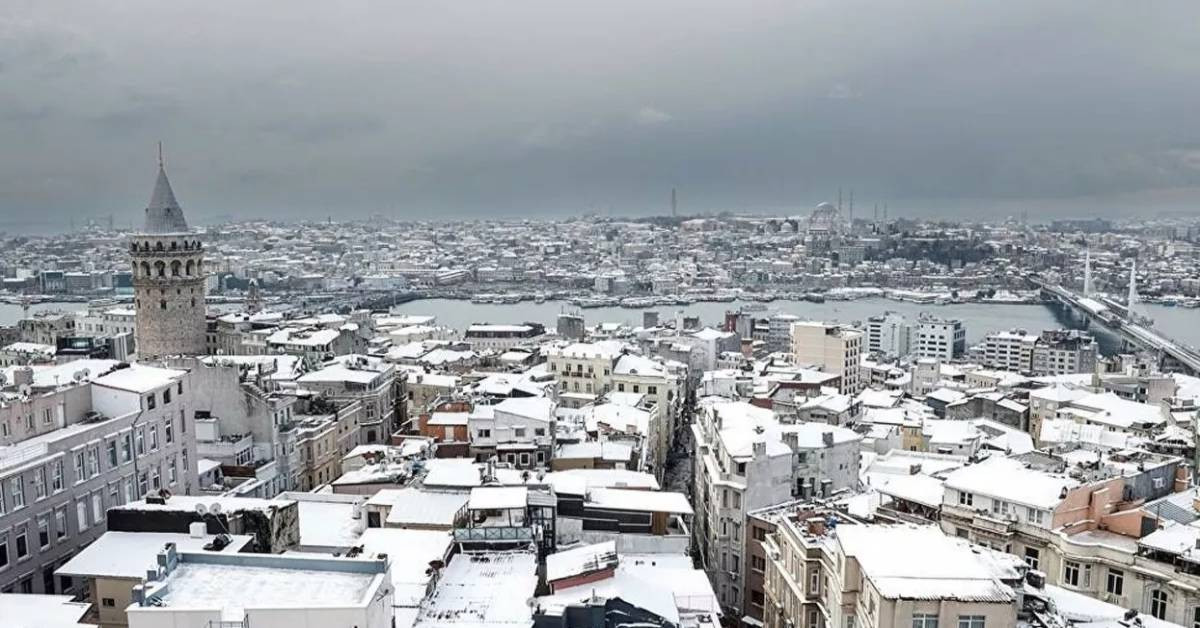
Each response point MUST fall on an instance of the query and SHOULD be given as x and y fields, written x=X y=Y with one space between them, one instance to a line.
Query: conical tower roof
x=163 y=214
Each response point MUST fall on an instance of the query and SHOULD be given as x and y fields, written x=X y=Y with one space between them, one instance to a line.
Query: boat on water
x=813 y=297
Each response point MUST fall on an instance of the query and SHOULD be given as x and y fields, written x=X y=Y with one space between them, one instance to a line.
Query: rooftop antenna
x=160 y=157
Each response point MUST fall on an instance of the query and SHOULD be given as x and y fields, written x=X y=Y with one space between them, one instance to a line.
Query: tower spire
x=1087 y=272
x=160 y=159
x=1131 y=300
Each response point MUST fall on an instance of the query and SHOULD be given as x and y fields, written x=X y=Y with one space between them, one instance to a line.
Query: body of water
x=1182 y=324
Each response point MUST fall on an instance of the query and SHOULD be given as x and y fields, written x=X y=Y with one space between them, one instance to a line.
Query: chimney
x=792 y=440
x=197 y=530
x=760 y=449
x=827 y=438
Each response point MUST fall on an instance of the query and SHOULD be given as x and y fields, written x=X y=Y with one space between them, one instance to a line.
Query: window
x=153 y=438
x=758 y=563
x=111 y=448
x=80 y=475
x=39 y=483
x=126 y=448
x=1115 y=583
x=539 y=431
x=60 y=523
x=97 y=507
x=924 y=620
x=485 y=433
x=22 y=542
x=1158 y=604
x=166 y=396
x=1033 y=515
x=3 y=551
x=519 y=432
x=965 y=499
x=43 y=529
x=108 y=602
x=16 y=486
x=150 y=400
x=93 y=462
x=56 y=475
x=1032 y=557
x=970 y=621
x=1196 y=617
x=172 y=474
x=1071 y=573
x=129 y=494
x=81 y=515
x=139 y=440
x=155 y=478
x=169 y=431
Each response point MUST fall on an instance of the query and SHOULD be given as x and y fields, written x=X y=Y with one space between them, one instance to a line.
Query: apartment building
x=503 y=337
x=377 y=385
x=832 y=348
x=745 y=460
x=1063 y=352
x=73 y=450
x=518 y=430
x=824 y=572
x=889 y=335
x=1007 y=350
x=1046 y=512
x=940 y=338
x=591 y=370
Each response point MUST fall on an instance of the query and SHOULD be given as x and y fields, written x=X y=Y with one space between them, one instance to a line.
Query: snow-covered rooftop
x=130 y=554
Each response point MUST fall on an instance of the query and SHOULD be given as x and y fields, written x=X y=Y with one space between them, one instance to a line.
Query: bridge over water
x=1173 y=356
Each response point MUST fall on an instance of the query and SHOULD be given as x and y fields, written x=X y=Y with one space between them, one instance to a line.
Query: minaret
x=1131 y=300
x=254 y=300
x=168 y=278
x=1087 y=272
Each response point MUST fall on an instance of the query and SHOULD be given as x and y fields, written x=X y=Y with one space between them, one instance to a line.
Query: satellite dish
x=201 y=509
x=215 y=508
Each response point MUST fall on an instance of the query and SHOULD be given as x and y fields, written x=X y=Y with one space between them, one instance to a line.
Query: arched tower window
x=175 y=268
x=158 y=246
x=191 y=267
x=174 y=245
x=160 y=268
x=145 y=269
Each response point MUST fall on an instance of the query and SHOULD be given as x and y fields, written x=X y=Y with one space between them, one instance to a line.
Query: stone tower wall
x=168 y=287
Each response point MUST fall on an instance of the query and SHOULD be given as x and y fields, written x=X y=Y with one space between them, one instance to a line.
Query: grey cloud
x=542 y=107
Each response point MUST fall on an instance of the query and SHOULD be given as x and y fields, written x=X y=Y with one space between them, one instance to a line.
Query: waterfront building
x=889 y=335
x=941 y=338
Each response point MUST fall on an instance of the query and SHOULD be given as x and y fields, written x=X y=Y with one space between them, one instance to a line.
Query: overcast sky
x=438 y=109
